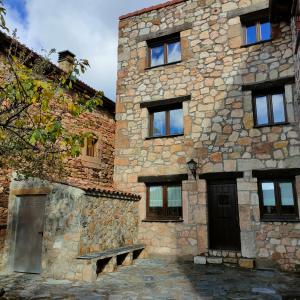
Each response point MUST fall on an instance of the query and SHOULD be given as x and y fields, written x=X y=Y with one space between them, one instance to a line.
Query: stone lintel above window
x=248 y=10
x=264 y=85
x=221 y=175
x=258 y=15
x=165 y=32
x=163 y=178
x=276 y=173
x=165 y=103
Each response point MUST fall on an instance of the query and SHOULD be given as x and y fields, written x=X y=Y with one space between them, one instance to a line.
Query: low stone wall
x=75 y=223
x=107 y=223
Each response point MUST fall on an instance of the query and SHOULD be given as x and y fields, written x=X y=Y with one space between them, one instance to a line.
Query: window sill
x=161 y=221
x=280 y=220
x=164 y=136
x=257 y=43
x=272 y=125
x=169 y=64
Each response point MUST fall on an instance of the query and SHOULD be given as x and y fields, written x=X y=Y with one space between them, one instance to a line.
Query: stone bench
x=92 y=264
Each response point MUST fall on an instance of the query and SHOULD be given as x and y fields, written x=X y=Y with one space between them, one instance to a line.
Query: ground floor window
x=278 y=199
x=164 y=201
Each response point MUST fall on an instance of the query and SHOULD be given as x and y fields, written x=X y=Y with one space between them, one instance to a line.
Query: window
x=278 y=199
x=269 y=109
x=257 y=31
x=166 y=122
x=164 y=51
x=164 y=202
x=91 y=147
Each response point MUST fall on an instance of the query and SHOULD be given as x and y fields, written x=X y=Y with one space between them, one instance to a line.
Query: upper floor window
x=91 y=147
x=278 y=199
x=257 y=32
x=164 y=51
x=270 y=108
x=166 y=122
x=164 y=202
x=257 y=26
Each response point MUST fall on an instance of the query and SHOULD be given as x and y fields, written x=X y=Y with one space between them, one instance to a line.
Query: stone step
x=215 y=260
x=247 y=263
x=224 y=253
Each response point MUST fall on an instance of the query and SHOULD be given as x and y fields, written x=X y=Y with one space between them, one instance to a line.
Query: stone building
x=207 y=131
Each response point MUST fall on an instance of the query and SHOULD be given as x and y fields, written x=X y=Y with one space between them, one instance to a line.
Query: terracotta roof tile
x=148 y=9
x=112 y=193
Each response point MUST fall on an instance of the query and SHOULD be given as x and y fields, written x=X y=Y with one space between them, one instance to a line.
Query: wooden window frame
x=167 y=120
x=163 y=41
x=165 y=216
x=269 y=96
x=257 y=24
x=93 y=148
x=279 y=216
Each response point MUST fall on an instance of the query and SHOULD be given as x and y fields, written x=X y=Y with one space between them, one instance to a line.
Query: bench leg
x=111 y=266
x=141 y=254
x=128 y=259
x=89 y=272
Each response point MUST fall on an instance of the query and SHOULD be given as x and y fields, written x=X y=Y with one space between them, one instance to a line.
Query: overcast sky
x=87 y=28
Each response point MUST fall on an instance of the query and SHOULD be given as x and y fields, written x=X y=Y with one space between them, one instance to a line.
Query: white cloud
x=87 y=28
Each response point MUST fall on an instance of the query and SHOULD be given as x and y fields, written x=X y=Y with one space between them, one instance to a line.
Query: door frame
x=212 y=182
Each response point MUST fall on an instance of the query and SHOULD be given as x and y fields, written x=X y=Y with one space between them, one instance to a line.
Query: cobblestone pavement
x=157 y=279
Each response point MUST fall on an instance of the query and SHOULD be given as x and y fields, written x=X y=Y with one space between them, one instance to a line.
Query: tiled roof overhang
x=151 y=8
x=107 y=193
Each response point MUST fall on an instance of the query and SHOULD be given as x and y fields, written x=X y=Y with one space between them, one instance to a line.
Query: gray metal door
x=29 y=234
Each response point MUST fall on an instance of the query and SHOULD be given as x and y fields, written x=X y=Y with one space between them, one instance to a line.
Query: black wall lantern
x=193 y=167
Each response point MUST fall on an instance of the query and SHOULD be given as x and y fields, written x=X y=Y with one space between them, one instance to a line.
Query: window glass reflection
x=251 y=34
x=265 y=31
x=269 y=201
x=278 y=108
x=159 y=123
x=157 y=56
x=174 y=196
x=176 y=121
x=156 y=196
x=262 y=111
x=287 y=196
x=174 y=52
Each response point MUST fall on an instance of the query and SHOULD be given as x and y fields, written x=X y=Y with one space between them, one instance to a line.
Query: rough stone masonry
x=219 y=131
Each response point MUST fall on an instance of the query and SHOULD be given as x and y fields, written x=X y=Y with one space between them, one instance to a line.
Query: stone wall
x=75 y=224
x=281 y=242
x=93 y=172
x=107 y=224
x=219 y=130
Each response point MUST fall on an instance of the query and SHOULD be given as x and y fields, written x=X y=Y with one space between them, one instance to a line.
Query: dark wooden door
x=224 y=227
x=29 y=234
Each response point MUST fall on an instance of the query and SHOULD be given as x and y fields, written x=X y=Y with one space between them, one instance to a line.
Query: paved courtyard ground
x=156 y=279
